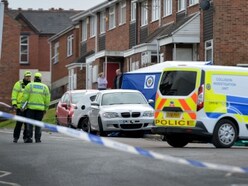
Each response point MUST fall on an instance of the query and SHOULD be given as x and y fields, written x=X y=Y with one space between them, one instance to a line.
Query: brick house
x=25 y=44
x=131 y=34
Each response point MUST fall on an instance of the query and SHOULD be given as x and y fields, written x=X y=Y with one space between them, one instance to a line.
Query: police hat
x=37 y=75
x=27 y=74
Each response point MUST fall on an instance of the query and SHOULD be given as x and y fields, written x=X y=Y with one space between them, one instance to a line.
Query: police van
x=202 y=103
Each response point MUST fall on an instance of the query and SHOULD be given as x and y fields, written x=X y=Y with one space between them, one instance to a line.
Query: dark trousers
x=36 y=115
x=18 y=126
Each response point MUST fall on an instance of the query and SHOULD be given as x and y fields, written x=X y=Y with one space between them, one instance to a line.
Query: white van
x=202 y=104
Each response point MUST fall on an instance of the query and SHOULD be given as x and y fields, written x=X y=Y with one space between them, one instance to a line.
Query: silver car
x=120 y=110
x=80 y=117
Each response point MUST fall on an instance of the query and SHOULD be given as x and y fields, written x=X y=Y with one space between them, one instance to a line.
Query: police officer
x=37 y=96
x=16 y=98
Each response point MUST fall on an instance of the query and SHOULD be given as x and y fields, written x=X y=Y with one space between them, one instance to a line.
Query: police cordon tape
x=124 y=147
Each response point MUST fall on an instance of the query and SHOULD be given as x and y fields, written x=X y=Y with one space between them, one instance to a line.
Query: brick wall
x=230 y=32
x=9 y=58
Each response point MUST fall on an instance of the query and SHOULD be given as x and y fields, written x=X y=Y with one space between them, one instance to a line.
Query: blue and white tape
x=124 y=147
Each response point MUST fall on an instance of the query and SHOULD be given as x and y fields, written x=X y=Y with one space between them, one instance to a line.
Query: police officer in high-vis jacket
x=37 y=97
x=16 y=98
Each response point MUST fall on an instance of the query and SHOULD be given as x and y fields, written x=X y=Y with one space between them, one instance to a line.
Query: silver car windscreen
x=123 y=98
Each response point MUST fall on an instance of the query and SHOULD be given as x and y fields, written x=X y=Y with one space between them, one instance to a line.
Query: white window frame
x=193 y=2
x=155 y=10
x=209 y=47
x=133 y=11
x=167 y=7
x=111 y=17
x=122 y=13
x=55 y=58
x=92 y=26
x=102 y=22
x=24 y=49
x=144 y=13
x=181 y=5
x=84 y=30
x=70 y=39
x=94 y=73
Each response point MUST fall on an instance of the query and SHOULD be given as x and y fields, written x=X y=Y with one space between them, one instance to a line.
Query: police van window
x=177 y=83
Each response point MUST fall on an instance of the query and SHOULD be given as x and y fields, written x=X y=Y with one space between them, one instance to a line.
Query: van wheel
x=225 y=134
x=176 y=140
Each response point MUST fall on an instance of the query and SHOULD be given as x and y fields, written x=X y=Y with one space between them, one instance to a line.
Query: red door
x=111 y=68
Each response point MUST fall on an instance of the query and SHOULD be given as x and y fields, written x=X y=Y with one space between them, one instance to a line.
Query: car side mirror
x=64 y=105
x=95 y=104
x=150 y=101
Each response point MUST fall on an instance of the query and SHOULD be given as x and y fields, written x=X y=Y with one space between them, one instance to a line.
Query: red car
x=66 y=105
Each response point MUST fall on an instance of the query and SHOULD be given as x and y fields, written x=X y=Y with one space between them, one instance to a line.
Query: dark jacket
x=120 y=82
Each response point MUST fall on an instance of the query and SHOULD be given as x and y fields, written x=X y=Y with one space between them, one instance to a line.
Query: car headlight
x=148 y=114
x=110 y=115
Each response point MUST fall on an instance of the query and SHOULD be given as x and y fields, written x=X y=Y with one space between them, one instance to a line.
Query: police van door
x=176 y=102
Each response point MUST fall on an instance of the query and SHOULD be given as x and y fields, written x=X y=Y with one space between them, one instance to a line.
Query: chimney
x=6 y=4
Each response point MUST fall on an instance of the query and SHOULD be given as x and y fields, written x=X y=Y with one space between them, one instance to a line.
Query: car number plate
x=173 y=114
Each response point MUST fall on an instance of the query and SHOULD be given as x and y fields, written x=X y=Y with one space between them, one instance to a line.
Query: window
x=192 y=2
x=70 y=45
x=122 y=13
x=102 y=22
x=84 y=30
x=92 y=26
x=181 y=5
x=111 y=17
x=167 y=7
x=144 y=13
x=55 y=58
x=24 y=49
x=177 y=83
x=209 y=50
x=155 y=10
x=133 y=11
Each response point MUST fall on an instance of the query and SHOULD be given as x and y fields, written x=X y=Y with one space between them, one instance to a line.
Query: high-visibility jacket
x=37 y=96
x=17 y=93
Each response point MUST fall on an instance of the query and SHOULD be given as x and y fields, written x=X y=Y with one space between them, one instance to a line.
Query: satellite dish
x=205 y=4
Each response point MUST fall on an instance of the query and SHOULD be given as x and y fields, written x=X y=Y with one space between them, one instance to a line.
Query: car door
x=64 y=111
x=94 y=111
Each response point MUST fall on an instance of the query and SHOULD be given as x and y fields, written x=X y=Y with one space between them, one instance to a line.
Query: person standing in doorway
x=37 y=96
x=102 y=82
x=118 y=79
x=16 y=98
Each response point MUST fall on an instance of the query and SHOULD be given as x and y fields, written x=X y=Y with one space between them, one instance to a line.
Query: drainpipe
x=160 y=13
x=158 y=49
x=96 y=37
x=106 y=66
x=174 y=52
x=186 y=11
x=50 y=66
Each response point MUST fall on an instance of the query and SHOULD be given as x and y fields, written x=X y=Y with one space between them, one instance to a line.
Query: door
x=63 y=110
x=111 y=68
x=184 y=54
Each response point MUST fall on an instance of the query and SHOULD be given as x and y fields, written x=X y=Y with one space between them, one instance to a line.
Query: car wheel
x=177 y=141
x=84 y=123
x=225 y=134
x=90 y=131
x=101 y=132
x=57 y=121
x=69 y=123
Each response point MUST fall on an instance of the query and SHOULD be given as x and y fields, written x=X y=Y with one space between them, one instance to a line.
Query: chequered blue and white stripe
x=124 y=147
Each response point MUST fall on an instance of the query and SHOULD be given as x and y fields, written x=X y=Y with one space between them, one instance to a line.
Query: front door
x=111 y=68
